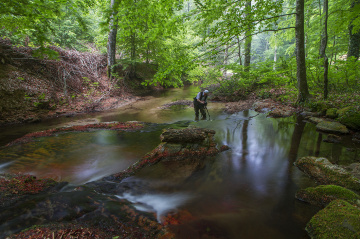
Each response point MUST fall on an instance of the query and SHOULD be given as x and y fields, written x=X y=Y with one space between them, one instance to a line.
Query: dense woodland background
x=302 y=52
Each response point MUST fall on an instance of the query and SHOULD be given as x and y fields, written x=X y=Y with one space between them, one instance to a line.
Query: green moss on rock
x=338 y=220
x=332 y=113
x=325 y=172
x=324 y=194
x=350 y=116
x=332 y=127
x=315 y=120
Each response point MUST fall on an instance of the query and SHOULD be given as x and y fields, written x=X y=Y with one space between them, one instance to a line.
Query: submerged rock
x=324 y=172
x=324 y=194
x=332 y=127
x=332 y=138
x=16 y=187
x=339 y=219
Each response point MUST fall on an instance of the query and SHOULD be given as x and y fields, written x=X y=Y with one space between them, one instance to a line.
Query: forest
x=309 y=49
x=60 y=58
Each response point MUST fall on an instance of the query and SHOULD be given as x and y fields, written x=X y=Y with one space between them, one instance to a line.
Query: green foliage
x=37 y=23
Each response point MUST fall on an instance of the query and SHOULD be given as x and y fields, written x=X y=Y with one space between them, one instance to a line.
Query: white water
x=161 y=204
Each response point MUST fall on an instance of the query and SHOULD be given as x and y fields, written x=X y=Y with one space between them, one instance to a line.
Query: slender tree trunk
x=275 y=57
x=248 y=37
x=133 y=56
x=111 y=45
x=324 y=41
x=354 y=37
x=300 y=53
x=239 y=46
x=226 y=55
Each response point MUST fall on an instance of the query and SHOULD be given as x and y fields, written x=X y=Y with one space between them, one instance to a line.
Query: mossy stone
x=324 y=194
x=315 y=120
x=350 y=116
x=332 y=127
x=338 y=220
x=332 y=113
x=324 y=172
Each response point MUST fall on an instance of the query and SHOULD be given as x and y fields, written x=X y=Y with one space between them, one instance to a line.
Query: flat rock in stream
x=314 y=120
x=188 y=146
x=332 y=127
x=187 y=103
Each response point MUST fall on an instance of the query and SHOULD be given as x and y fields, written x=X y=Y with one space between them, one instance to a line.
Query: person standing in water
x=200 y=104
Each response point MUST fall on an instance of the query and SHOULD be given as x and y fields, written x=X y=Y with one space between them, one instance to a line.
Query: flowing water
x=246 y=192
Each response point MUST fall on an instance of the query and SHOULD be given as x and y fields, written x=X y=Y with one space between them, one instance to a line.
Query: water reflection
x=76 y=157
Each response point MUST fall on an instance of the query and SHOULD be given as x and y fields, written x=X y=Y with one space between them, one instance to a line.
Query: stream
x=245 y=192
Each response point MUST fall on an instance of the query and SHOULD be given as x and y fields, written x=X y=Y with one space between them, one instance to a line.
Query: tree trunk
x=354 y=37
x=324 y=41
x=275 y=57
x=326 y=79
x=226 y=55
x=111 y=45
x=248 y=37
x=133 y=56
x=239 y=46
x=300 y=53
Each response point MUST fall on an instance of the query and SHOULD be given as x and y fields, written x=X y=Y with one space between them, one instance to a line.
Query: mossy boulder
x=332 y=113
x=324 y=172
x=350 y=116
x=339 y=219
x=332 y=127
x=324 y=194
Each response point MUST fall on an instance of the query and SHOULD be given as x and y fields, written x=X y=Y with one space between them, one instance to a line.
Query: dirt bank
x=32 y=89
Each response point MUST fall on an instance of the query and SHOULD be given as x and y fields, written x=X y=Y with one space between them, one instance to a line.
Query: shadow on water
x=246 y=192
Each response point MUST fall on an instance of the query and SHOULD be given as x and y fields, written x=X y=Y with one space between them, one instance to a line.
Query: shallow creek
x=246 y=192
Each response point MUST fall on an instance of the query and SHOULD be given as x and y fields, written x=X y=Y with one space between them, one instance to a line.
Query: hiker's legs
x=196 y=108
x=203 y=113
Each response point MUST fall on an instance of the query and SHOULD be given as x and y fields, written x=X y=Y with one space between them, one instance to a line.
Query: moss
x=332 y=127
x=339 y=219
x=332 y=113
x=350 y=116
x=324 y=194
